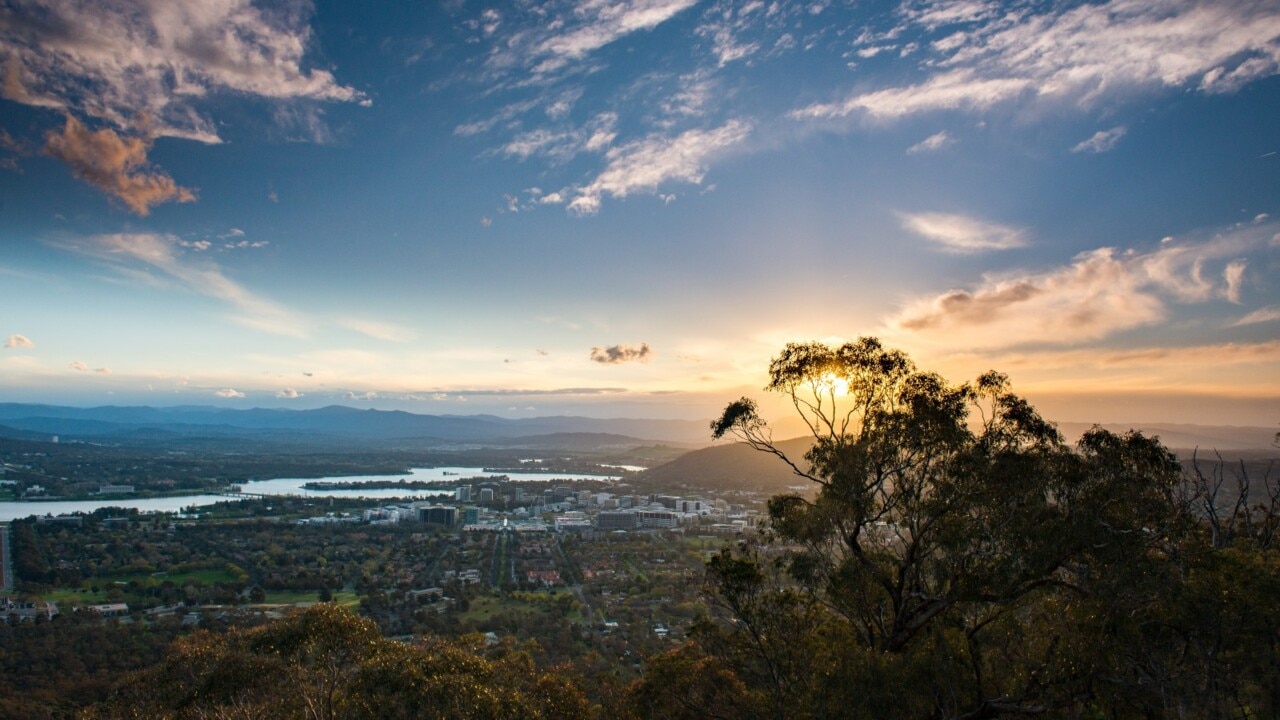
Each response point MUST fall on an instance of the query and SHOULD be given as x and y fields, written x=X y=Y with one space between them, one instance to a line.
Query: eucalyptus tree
x=955 y=558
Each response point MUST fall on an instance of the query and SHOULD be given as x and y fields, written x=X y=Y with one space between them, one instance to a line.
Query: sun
x=830 y=383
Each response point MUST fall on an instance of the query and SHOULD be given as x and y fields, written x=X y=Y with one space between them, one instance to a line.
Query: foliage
x=958 y=560
x=327 y=663
x=49 y=668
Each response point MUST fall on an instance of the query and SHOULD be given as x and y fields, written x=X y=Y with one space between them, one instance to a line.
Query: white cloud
x=601 y=23
x=288 y=394
x=960 y=234
x=229 y=393
x=79 y=366
x=729 y=23
x=933 y=15
x=150 y=63
x=18 y=341
x=1098 y=294
x=936 y=141
x=1079 y=54
x=1101 y=141
x=1259 y=316
x=1233 y=274
x=696 y=94
x=540 y=142
x=562 y=143
x=570 y=31
x=644 y=165
x=161 y=252
x=377 y=329
x=955 y=90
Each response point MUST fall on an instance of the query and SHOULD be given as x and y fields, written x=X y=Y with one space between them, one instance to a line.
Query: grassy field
x=529 y=604
x=85 y=594
x=348 y=599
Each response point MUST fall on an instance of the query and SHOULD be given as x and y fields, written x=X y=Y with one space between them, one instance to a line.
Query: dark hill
x=728 y=467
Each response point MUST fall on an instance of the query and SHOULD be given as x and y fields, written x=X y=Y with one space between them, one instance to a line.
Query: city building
x=439 y=515
x=658 y=518
x=617 y=520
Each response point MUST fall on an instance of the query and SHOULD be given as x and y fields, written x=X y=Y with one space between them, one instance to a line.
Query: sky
x=627 y=207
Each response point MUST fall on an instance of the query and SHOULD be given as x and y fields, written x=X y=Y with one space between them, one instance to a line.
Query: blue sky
x=626 y=207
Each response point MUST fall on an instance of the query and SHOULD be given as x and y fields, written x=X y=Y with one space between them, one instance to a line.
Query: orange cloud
x=116 y=165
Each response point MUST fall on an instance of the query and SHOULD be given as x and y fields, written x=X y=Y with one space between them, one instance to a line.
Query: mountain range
x=335 y=421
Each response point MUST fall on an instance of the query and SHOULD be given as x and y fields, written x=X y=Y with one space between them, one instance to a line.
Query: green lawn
x=484 y=608
x=83 y=596
x=347 y=599
x=208 y=577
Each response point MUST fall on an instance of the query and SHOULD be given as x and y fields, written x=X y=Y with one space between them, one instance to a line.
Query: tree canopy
x=956 y=559
x=325 y=663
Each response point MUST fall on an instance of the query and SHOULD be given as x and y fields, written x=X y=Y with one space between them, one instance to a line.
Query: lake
x=284 y=486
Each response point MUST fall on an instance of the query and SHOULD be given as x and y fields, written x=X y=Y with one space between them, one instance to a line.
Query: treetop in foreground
x=958 y=560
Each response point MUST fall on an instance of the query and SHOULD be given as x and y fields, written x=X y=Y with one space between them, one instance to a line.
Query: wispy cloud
x=727 y=27
x=131 y=63
x=228 y=393
x=1177 y=372
x=623 y=353
x=115 y=164
x=1098 y=294
x=571 y=31
x=18 y=341
x=644 y=165
x=1101 y=141
x=961 y=234
x=288 y=394
x=1080 y=54
x=201 y=275
x=561 y=144
x=1257 y=317
x=956 y=90
x=934 y=142
x=377 y=329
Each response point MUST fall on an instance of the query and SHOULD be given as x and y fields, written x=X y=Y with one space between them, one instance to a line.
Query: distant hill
x=345 y=423
x=737 y=467
x=734 y=466
x=1186 y=437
